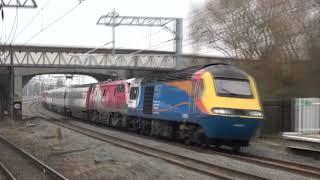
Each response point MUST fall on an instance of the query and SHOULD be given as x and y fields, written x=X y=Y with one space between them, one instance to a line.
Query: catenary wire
x=13 y=28
x=31 y=20
x=53 y=22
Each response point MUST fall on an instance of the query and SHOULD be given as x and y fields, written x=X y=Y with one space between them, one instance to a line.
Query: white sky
x=79 y=27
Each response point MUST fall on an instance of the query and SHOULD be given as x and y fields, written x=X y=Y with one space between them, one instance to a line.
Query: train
x=215 y=104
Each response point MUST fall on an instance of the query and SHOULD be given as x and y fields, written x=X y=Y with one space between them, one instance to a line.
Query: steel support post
x=113 y=40
x=179 y=36
x=11 y=82
x=179 y=40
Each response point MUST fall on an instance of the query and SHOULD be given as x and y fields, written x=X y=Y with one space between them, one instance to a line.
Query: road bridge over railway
x=18 y=64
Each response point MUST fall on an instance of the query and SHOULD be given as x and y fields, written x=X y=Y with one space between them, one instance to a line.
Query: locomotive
x=216 y=104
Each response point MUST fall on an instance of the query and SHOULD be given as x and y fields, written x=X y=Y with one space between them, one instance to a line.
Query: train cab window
x=233 y=87
x=134 y=91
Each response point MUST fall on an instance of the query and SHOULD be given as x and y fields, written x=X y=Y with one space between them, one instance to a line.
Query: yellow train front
x=227 y=100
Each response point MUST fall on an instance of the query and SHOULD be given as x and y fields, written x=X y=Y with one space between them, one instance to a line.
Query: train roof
x=66 y=88
x=223 y=71
x=117 y=82
x=218 y=69
x=81 y=85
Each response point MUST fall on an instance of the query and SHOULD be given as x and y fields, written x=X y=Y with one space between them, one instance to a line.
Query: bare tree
x=259 y=29
x=281 y=31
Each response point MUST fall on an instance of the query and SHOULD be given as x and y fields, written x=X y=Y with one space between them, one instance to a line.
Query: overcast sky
x=79 y=27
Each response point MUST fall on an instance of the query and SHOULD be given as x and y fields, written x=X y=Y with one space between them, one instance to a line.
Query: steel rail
x=301 y=169
x=46 y=169
x=285 y=165
x=288 y=166
x=7 y=172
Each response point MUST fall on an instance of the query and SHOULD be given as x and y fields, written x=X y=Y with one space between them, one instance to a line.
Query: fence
x=301 y=115
x=278 y=117
x=307 y=115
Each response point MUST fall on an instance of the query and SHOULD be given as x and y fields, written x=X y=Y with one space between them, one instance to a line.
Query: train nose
x=230 y=127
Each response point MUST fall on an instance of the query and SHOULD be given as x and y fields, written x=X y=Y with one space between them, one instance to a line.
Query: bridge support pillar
x=16 y=100
x=4 y=91
x=179 y=40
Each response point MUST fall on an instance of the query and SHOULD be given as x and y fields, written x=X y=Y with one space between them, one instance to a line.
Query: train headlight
x=255 y=113
x=222 y=111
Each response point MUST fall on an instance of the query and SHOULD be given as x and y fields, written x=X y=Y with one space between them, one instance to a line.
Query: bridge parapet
x=69 y=60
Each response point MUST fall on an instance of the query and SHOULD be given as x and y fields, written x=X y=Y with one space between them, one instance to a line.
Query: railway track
x=19 y=164
x=288 y=166
x=173 y=158
x=301 y=169
x=6 y=172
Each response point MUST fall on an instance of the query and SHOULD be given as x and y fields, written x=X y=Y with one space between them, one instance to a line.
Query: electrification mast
x=14 y=105
x=114 y=19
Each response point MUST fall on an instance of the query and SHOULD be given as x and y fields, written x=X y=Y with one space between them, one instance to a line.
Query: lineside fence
x=300 y=115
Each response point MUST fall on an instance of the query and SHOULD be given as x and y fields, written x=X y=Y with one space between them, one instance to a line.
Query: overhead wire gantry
x=114 y=19
x=18 y=4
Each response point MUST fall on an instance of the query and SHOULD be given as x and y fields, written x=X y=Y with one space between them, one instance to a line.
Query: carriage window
x=233 y=87
x=104 y=92
x=120 y=88
x=134 y=92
